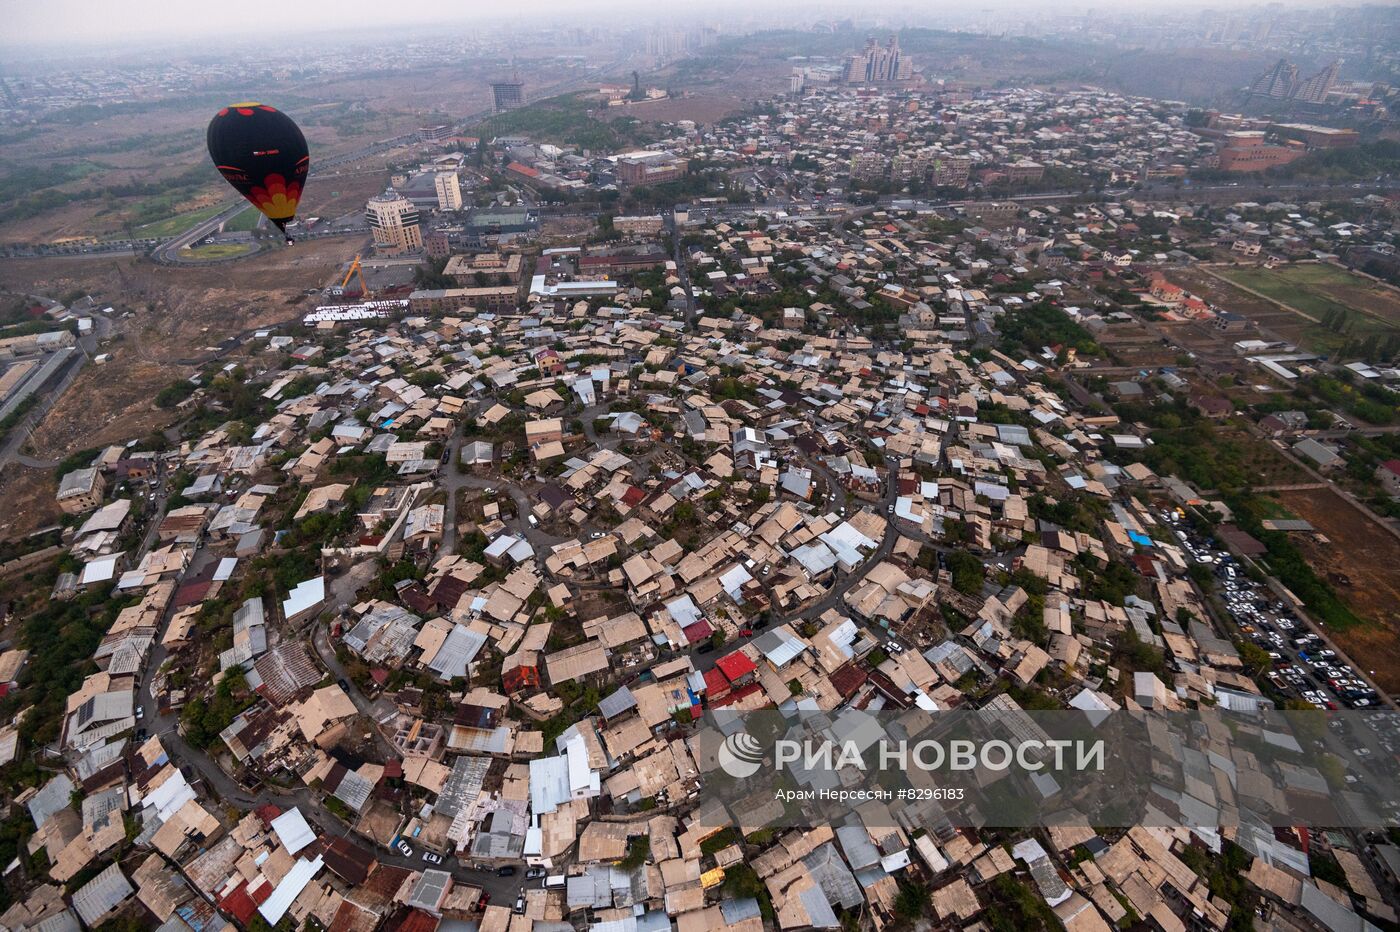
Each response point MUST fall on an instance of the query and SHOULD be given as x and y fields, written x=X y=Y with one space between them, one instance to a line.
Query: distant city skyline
x=66 y=23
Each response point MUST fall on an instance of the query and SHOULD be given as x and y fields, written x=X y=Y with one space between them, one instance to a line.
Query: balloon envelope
x=262 y=153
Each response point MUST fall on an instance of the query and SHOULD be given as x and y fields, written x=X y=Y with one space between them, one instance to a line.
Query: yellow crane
x=354 y=271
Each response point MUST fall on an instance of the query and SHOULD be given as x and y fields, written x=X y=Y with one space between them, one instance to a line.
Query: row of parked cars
x=1303 y=664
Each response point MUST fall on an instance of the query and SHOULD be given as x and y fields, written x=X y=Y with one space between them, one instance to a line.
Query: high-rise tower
x=509 y=95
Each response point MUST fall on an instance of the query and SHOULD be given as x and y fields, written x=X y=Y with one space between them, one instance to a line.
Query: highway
x=167 y=252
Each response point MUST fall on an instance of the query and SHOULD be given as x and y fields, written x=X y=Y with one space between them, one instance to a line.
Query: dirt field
x=1273 y=322
x=1266 y=466
x=332 y=196
x=28 y=496
x=704 y=109
x=565 y=230
x=1367 y=555
x=178 y=314
x=1135 y=344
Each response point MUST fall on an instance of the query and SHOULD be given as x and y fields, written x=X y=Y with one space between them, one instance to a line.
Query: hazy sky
x=50 y=22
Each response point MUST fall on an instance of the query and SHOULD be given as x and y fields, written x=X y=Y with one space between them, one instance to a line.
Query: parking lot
x=1303 y=666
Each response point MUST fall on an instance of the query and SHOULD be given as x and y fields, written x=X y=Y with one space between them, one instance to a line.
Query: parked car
x=481 y=903
x=505 y=871
x=404 y=848
x=432 y=857
x=535 y=873
x=520 y=904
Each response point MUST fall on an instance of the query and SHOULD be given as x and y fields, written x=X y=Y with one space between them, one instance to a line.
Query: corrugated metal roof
x=460 y=648
x=293 y=831
x=301 y=874
x=102 y=894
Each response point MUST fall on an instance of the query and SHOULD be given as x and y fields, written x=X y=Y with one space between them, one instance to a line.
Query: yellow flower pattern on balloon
x=276 y=198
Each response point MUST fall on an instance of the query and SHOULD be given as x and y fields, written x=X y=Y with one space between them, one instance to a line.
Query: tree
x=336 y=807
x=638 y=850
x=967 y=572
x=431 y=275
x=1254 y=656
x=912 y=901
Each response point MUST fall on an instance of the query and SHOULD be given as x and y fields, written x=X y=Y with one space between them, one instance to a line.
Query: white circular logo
x=740 y=755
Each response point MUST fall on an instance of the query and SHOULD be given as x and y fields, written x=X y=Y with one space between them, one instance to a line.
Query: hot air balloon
x=262 y=153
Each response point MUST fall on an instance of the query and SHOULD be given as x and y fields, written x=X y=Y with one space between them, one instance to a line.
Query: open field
x=218 y=251
x=701 y=108
x=1317 y=292
x=332 y=196
x=1263 y=464
x=1272 y=321
x=161 y=229
x=1316 y=288
x=29 y=500
x=1214 y=350
x=1366 y=555
x=1135 y=344
x=248 y=220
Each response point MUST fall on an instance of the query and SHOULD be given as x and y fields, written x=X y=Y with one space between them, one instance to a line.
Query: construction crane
x=354 y=271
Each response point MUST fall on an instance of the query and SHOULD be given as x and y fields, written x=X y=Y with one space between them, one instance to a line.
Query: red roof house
x=736 y=666
x=697 y=631
x=716 y=685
